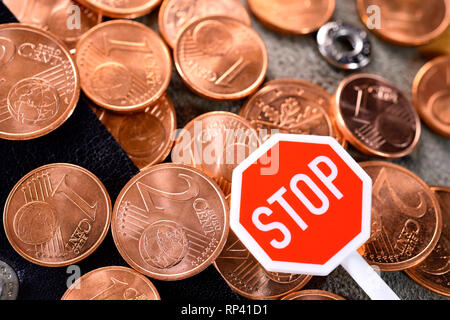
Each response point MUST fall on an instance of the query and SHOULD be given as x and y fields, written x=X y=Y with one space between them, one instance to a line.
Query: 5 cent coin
x=170 y=222
x=221 y=58
x=434 y=272
x=112 y=283
x=39 y=84
x=124 y=65
x=406 y=218
x=57 y=215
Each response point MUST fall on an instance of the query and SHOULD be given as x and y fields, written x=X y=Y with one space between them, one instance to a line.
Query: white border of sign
x=291 y=267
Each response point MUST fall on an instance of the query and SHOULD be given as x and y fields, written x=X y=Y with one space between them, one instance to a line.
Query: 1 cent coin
x=431 y=94
x=292 y=17
x=57 y=215
x=405 y=22
x=406 y=218
x=170 y=222
x=221 y=58
x=291 y=106
x=124 y=65
x=39 y=84
x=128 y=9
x=434 y=272
x=66 y=19
x=112 y=283
x=247 y=277
x=174 y=15
x=216 y=143
x=145 y=136
x=312 y=295
x=375 y=116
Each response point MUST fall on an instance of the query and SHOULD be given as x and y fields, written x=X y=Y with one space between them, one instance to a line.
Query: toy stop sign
x=301 y=204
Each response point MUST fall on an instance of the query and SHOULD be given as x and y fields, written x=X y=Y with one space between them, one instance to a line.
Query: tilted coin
x=124 y=65
x=245 y=275
x=312 y=295
x=344 y=45
x=221 y=58
x=431 y=94
x=66 y=19
x=405 y=22
x=216 y=143
x=57 y=215
x=9 y=283
x=406 y=218
x=39 y=83
x=170 y=222
x=291 y=106
x=434 y=272
x=292 y=17
x=128 y=9
x=438 y=47
x=112 y=283
x=145 y=136
x=174 y=15
x=375 y=116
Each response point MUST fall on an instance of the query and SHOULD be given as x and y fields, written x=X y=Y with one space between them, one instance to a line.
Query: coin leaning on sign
x=312 y=295
x=292 y=17
x=221 y=58
x=170 y=222
x=57 y=215
x=124 y=65
x=431 y=94
x=39 y=83
x=399 y=21
x=60 y=17
x=9 y=283
x=128 y=9
x=112 y=283
x=406 y=218
x=215 y=143
x=174 y=15
x=245 y=275
x=291 y=106
x=434 y=272
x=375 y=116
x=145 y=136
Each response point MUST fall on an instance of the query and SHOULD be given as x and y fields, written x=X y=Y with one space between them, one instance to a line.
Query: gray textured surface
x=298 y=57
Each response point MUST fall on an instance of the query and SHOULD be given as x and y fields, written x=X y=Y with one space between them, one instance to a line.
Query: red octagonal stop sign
x=301 y=204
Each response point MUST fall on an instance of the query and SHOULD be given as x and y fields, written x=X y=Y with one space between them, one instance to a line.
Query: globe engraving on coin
x=57 y=215
x=112 y=283
x=40 y=85
x=170 y=222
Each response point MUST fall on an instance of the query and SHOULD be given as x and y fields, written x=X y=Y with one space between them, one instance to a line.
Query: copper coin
x=39 y=84
x=431 y=94
x=128 y=9
x=170 y=222
x=375 y=116
x=66 y=19
x=291 y=106
x=145 y=136
x=312 y=295
x=112 y=283
x=216 y=143
x=434 y=272
x=406 y=22
x=406 y=218
x=247 y=277
x=174 y=15
x=124 y=65
x=221 y=58
x=292 y=17
x=437 y=47
x=57 y=215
